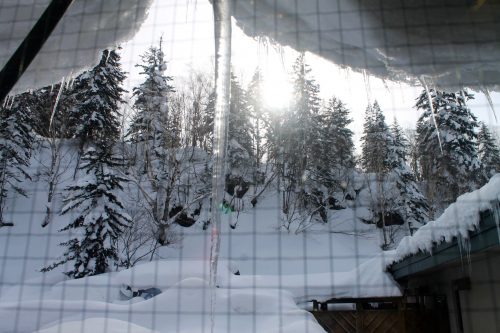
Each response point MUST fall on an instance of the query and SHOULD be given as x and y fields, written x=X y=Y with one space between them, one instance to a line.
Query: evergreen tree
x=298 y=151
x=16 y=139
x=240 y=146
x=447 y=143
x=258 y=114
x=152 y=99
x=94 y=199
x=407 y=201
x=98 y=94
x=374 y=141
x=488 y=152
x=336 y=145
x=101 y=217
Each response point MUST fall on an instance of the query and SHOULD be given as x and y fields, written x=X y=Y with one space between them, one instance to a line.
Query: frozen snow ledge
x=457 y=220
x=88 y=27
x=453 y=42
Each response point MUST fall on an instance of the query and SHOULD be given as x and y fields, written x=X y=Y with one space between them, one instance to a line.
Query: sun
x=276 y=91
x=276 y=88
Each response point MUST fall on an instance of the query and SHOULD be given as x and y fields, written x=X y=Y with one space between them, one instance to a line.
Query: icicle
x=54 y=108
x=4 y=105
x=11 y=102
x=222 y=33
x=486 y=93
x=368 y=90
x=429 y=98
x=496 y=216
x=51 y=88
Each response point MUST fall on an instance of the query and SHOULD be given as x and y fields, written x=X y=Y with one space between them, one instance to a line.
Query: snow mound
x=183 y=306
x=96 y=325
x=453 y=42
x=88 y=27
x=457 y=220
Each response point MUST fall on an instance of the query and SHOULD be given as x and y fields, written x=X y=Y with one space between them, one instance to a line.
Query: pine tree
x=152 y=99
x=489 y=152
x=336 y=145
x=298 y=151
x=374 y=141
x=447 y=143
x=240 y=146
x=101 y=217
x=16 y=139
x=407 y=201
x=258 y=114
x=98 y=94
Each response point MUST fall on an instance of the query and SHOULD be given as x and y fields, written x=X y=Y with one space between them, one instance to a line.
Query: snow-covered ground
x=279 y=273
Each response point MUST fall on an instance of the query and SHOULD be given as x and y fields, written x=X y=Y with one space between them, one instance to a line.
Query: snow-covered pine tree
x=97 y=94
x=488 y=152
x=240 y=156
x=298 y=152
x=447 y=143
x=407 y=201
x=374 y=141
x=101 y=216
x=337 y=147
x=152 y=96
x=258 y=116
x=16 y=139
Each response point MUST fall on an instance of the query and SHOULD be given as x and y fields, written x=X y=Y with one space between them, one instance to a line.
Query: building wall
x=480 y=305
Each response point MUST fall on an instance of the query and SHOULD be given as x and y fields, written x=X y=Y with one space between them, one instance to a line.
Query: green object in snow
x=226 y=208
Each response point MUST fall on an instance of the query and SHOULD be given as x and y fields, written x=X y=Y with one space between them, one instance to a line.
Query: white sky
x=187 y=30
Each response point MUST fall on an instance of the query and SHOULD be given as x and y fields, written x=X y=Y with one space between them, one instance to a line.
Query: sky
x=186 y=27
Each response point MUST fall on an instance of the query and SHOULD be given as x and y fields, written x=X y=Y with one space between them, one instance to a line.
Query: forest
x=141 y=159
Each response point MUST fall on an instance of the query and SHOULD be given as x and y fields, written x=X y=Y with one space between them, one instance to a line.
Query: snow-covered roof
x=88 y=27
x=449 y=45
x=454 y=43
x=457 y=220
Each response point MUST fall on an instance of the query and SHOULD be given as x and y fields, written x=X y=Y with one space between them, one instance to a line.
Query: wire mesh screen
x=347 y=183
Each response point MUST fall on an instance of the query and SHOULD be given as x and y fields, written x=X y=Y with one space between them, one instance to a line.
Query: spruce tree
x=101 y=216
x=488 y=152
x=98 y=94
x=407 y=201
x=240 y=145
x=151 y=98
x=374 y=141
x=94 y=199
x=299 y=151
x=336 y=145
x=447 y=143
x=16 y=139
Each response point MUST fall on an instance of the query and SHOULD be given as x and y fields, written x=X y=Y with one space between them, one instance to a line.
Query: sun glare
x=276 y=89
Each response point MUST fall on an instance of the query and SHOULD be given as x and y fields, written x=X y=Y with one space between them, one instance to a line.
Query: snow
x=456 y=221
x=280 y=271
x=452 y=46
x=88 y=27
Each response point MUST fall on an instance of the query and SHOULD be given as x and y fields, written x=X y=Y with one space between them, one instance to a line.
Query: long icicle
x=222 y=33
x=429 y=98
x=54 y=108
x=486 y=93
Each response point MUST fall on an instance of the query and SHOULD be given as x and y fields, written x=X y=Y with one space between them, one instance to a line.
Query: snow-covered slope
x=280 y=272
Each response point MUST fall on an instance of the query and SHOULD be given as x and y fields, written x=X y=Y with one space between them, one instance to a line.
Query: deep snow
x=280 y=272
